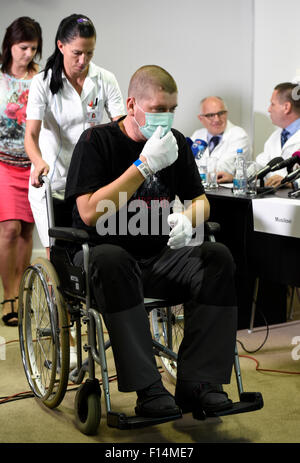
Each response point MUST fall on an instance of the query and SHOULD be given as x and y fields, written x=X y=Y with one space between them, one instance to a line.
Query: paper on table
x=278 y=216
x=226 y=185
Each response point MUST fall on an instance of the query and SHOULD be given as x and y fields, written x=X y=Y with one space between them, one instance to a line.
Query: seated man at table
x=285 y=113
x=139 y=160
x=223 y=137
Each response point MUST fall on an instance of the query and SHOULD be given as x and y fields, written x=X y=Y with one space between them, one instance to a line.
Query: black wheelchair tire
x=87 y=411
x=42 y=271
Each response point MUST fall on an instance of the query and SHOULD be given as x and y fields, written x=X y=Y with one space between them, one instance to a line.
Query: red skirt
x=14 y=204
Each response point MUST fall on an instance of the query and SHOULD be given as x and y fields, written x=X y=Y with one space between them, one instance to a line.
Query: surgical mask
x=153 y=120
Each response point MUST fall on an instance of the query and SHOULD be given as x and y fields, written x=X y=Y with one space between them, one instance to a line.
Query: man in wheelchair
x=123 y=180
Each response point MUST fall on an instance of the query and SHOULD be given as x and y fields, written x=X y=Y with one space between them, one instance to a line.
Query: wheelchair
x=55 y=297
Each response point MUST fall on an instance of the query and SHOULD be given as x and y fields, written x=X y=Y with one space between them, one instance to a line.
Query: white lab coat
x=272 y=149
x=233 y=138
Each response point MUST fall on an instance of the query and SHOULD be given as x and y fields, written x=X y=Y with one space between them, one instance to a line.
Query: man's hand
x=224 y=177
x=274 y=181
x=160 y=152
x=41 y=168
x=182 y=230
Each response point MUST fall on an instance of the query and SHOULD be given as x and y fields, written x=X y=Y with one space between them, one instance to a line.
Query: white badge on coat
x=93 y=114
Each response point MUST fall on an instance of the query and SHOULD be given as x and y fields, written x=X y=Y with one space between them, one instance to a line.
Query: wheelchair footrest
x=122 y=421
x=249 y=401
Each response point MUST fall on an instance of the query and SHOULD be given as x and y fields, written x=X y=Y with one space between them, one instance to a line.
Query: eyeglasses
x=212 y=115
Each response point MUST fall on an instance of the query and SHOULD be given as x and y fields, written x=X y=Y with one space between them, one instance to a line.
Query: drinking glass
x=212 y=173
x=202 y=167
x=252 y=169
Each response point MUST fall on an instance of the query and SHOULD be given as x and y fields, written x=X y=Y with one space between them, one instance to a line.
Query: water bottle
x=240 y=177
x=199 y=154
x=198 y=148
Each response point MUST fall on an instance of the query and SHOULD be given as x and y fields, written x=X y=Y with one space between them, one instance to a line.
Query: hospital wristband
x=143 y=168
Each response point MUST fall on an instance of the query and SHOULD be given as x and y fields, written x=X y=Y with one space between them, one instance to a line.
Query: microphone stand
x=267 y=190
x=270 y=190
x=294 y=194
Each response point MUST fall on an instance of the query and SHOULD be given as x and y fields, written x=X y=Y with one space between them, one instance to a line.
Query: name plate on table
x=277 y=216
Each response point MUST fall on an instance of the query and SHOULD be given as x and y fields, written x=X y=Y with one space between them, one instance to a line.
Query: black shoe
x=11 y=318
x=202 y=398
x=155 y=402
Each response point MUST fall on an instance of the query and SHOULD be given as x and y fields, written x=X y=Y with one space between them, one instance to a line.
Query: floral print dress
x=13 y=103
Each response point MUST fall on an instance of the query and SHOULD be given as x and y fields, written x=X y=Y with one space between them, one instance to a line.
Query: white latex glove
x=160 y=152
x=182 y=230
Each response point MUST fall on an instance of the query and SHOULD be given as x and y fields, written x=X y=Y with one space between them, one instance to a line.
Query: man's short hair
x=151 y=77
x=213 y=96
x=287 y=91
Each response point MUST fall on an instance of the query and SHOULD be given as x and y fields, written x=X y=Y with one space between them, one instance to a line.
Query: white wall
x=276 y=57
x=207 y=46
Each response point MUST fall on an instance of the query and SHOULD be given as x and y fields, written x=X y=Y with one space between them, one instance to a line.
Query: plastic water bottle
x=198 y=148
x=199 y=154
x=240 y=177
x=201 y=164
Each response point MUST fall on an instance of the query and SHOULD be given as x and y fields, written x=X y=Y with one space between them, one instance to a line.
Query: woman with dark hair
x=69 y=96
x=22 y=43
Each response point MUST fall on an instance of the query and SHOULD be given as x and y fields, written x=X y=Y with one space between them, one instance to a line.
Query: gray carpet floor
x=27 y=420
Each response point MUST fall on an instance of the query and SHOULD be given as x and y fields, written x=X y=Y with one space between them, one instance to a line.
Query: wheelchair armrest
x=211 y=228
x=75 y=235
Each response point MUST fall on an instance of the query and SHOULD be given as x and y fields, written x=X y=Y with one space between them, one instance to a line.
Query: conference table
x=263 y=236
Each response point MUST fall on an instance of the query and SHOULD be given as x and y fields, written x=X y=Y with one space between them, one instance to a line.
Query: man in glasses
x=223 y=138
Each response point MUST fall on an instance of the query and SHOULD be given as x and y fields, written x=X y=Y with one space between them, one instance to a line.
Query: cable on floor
x=264 y=341
x=269 y=370
x=30 y=394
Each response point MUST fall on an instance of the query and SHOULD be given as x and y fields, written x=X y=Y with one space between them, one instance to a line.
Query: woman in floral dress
x=21 y=44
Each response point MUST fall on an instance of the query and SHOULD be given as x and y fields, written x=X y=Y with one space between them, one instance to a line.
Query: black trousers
x=202 y=277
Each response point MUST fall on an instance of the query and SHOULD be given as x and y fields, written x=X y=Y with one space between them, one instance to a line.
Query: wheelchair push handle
x=44 y=179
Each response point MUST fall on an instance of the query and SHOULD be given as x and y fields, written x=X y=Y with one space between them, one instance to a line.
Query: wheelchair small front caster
x=88 y=407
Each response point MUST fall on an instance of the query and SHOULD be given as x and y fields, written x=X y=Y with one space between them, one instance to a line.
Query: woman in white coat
x=69 y=96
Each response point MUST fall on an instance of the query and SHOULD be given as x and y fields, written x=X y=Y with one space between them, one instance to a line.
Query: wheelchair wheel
x=43 y=333
x=88 y=407
x=167 y=327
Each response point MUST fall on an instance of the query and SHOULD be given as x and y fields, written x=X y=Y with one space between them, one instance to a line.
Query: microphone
x=290 y=177
x=265 y=170
x=201 y=142
x=290 y=162
x=198 y=145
